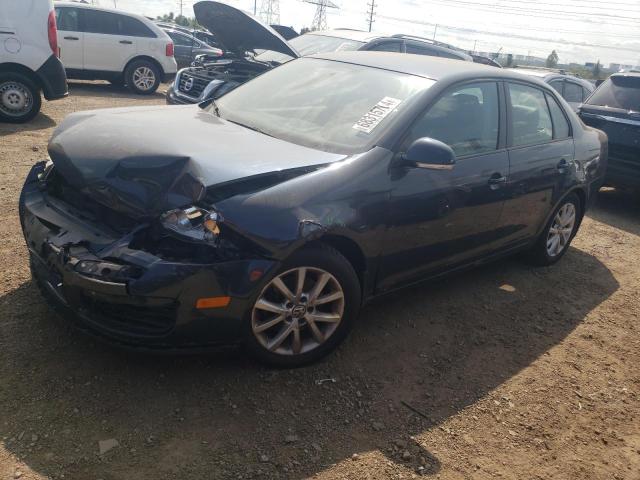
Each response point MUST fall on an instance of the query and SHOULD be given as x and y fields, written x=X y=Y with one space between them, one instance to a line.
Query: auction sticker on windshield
x=373 y=117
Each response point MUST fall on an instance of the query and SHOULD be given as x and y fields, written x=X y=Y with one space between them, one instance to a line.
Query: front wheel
x=142 y=77
x=19 y=98
x=305 y=310
x=558 y=233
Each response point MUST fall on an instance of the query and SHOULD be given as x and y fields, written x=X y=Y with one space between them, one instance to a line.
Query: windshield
x=331 y=106
x=310 y=43
x=618 y=92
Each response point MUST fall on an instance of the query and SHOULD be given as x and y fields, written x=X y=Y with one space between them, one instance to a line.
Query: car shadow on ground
x=41 y=121
x=416 y=358
x=618 y=208
x=106 y=90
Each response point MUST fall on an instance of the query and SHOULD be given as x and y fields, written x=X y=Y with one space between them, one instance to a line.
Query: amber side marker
x=213 y=302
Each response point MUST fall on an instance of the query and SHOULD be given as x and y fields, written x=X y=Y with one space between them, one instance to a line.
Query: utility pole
x=270 y=12
x=435 y=30
x=371 y=12
x=475 y=42
x=255 y=7
x=180 y=5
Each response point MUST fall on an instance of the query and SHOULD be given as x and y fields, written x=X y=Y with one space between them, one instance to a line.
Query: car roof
x=348 y=34
x=102 y=9
x=434 y=68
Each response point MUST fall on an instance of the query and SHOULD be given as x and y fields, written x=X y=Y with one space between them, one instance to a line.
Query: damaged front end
x=138 y=282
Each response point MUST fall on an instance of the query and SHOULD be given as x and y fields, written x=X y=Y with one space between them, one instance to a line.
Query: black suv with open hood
x=615 y=108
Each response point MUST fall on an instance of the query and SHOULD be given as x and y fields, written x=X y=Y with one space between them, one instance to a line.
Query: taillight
x=52 y=31
x=169 y=50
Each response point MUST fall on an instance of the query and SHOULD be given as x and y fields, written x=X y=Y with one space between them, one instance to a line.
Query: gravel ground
x=503 y=372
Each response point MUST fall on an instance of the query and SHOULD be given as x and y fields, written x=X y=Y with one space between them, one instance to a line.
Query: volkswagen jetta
x=299 y=196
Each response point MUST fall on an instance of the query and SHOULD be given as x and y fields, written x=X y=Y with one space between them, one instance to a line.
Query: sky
x=579 y=30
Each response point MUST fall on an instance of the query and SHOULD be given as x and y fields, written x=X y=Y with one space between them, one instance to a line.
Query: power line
x=503 y=35
x=531 y=12
x=371 y=12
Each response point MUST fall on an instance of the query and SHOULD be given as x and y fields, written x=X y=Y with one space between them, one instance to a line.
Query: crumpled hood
x=238 y=31
x=143 y=161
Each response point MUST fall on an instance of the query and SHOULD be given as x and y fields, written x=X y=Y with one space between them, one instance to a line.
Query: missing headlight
x=192 y=224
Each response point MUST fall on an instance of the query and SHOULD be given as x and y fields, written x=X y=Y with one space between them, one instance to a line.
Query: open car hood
x=238 y=31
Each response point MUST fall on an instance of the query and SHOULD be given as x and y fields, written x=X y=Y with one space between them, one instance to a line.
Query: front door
x=439 y=219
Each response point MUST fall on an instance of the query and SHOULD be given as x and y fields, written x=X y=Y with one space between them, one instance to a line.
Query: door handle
x=563 y=164
x=126 y=42
x=71 y=38
x=496 y=181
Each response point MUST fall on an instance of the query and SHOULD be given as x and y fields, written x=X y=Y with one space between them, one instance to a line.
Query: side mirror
x=429 y=153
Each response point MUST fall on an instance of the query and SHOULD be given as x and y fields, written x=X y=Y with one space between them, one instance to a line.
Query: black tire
x=18 y=89
x=137 y=67
x=539 y=254
x=317 y=256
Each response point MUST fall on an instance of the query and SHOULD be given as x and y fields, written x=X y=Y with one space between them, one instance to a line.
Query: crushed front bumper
x=131 y=297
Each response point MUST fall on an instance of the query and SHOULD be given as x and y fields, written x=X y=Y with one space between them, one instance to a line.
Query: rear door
x=108 y=44
x=541 y=154
x=70 y=37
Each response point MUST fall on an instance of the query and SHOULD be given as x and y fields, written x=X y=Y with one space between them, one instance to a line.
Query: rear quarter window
x=618 y=92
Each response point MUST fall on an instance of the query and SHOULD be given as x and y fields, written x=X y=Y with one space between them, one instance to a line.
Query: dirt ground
x=504 y=372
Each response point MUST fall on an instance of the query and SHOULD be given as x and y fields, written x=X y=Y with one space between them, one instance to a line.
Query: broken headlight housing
x=192 y=224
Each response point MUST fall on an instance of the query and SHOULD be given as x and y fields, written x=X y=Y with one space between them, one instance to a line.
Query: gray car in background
x=573 y=89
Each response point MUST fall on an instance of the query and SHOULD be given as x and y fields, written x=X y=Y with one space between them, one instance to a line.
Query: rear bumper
x=134 y=299
x=53 y=79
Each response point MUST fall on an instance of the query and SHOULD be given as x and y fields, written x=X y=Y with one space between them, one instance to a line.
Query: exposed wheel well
x=17 y=68
x=144 y=57
x=350 y=250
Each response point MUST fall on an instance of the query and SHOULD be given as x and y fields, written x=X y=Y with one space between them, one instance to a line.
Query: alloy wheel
x=561 y=230
x=15 y=99
x=144 y=78
x=298 y=311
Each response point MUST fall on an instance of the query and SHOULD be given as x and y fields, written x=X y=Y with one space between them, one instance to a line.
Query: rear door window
x=573 y=92
x=557 y=85
x=560 y=123
x=618 y=92
x=179 y=39
x=530 y=117
x=133 y=27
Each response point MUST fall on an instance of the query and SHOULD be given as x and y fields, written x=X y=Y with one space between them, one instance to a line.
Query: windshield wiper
x=255 y=129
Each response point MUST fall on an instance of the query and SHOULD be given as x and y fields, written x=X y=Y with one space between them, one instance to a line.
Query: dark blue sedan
x=268 y=218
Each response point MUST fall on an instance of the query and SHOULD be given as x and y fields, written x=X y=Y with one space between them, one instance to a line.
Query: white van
x=106 y=44
x=29 y=61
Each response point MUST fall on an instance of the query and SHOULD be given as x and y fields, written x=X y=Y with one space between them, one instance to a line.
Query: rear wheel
x=19 y=98
x=305 y=310
x=558 y=233
x=142 y=77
